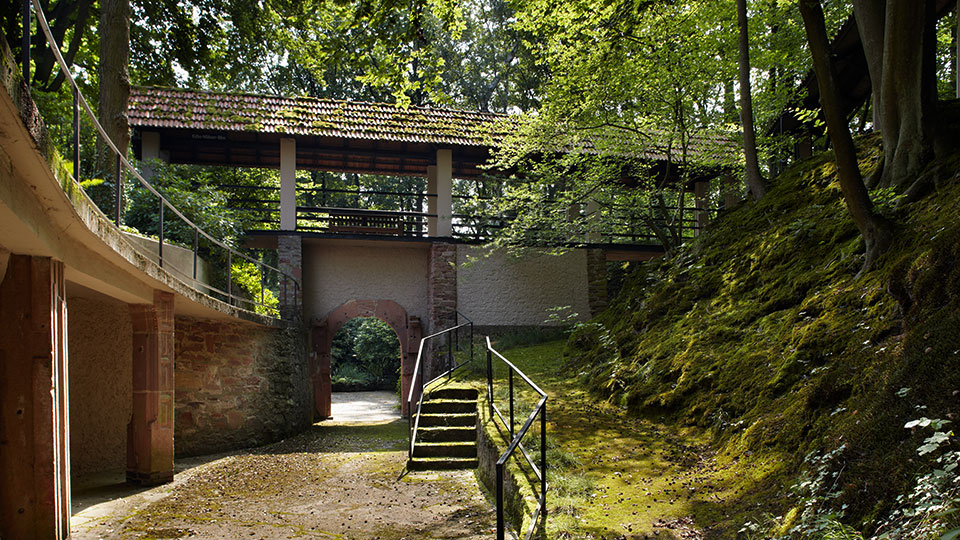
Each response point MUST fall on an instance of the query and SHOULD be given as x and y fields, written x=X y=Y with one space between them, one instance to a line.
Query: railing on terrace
x=612 y=227
x=515 y=441
x=261 y=297
x=418 y=387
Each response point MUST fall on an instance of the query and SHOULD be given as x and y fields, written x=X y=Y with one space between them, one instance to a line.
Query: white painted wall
x=335 y=274
x=506 y=290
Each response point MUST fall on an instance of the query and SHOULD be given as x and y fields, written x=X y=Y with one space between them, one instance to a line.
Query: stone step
x=454 y=419
x=446 y=449
x=447 y=434
x=449 y=406
x=438 y=464
x=454 y=393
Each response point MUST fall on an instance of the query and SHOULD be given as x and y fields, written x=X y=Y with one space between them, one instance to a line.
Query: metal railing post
x=160 y=236
x=500 y=527
x=510 y=377
x=25 y=44
x=230 y=277
x=450 y=362
x=196 y=248
x=118 y=192
x=490 y=381
x=76 y=134
x=543 y=461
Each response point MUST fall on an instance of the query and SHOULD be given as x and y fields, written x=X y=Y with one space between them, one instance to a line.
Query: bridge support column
x=596 y=281
x=35 y=448
x=432 y=200
x=290 y=257
x=442 y=296
x=288 y=184
x=150 y=432
x=731 y=192
x=700 y=192
x=444 y=193
x=149 y=150
x=593 y=222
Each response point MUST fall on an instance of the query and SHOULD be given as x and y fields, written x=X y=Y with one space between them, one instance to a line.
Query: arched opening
x=365 y=371
x=406 y=329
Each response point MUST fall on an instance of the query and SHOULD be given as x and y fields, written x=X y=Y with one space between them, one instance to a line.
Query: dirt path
x=337 y=480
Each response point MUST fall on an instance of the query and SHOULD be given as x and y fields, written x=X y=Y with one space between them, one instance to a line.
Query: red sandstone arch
x=406 y=327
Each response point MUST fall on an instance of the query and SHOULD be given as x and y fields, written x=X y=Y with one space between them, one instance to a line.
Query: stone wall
x=100 y=345
x=238 y=385
x=500 y=289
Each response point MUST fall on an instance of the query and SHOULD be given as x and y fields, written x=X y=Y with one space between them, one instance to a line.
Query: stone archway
x=406 y=327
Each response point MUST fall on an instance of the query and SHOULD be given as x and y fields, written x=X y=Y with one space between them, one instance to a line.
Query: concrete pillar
x=320 y=371
x=445 y=193
x=150 y=431
x=731 y=192
x=414 y=333
x=700 y=192
x=149 y=150
x=288 y=184
x=597 y=281
x=432 y=200
x=290 y=257
x=34 y=440
x=593 y=222
x=442 y=298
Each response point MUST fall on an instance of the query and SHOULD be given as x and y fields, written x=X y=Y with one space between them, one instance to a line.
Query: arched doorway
x=408 y=332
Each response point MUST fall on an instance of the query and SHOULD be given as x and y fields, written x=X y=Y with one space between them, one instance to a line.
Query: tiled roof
x=191 y=109
x=152 y=107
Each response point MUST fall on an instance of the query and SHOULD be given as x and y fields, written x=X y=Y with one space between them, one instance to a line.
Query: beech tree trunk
x=899 y=41
x=876 y=231
x=752 y=176
x=114 y=80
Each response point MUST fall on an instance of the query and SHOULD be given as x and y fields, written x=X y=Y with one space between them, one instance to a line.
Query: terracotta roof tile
x=190 y=109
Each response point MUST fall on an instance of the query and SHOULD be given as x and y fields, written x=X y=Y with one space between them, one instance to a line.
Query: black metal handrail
x=413 y=419
x=516 y=441
x=122 y=164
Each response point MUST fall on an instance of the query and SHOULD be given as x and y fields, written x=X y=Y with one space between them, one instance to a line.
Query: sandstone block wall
x=238 y=385
x=100 y=348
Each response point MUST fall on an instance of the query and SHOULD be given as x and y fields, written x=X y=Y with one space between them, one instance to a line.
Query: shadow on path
x=338 y=480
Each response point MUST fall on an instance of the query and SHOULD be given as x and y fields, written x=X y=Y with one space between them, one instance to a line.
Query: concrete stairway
x=447 y=436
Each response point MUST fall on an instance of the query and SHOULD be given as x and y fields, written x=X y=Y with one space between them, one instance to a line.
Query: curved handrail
x=122 y=161
x=516 y=440
x=413 y=420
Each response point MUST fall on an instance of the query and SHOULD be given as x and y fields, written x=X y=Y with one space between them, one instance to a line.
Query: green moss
x=757 y=333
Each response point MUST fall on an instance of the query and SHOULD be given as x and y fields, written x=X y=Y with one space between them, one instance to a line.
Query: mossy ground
x=335 y=481
x=759 y=339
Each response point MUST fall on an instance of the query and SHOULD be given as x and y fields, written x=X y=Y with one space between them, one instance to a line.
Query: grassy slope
x=759 y=334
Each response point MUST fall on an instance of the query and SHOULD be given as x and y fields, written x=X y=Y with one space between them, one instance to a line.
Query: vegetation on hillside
x=760 y=333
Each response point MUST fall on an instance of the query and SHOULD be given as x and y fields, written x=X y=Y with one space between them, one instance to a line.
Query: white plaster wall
x=100 y=345
x=333 y=275
x=504 y=290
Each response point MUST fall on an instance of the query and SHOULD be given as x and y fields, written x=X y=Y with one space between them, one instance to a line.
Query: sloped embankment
x=759 y=332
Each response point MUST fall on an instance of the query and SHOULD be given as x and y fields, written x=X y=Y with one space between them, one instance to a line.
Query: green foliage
x=250 y=278
x=194 y=194
x=365 y=356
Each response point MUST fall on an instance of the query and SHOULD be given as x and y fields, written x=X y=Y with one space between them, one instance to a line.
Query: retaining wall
x=237 y=385
x=100 y=341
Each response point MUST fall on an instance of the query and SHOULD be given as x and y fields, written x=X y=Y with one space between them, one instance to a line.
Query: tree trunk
x=876 y=231
x=752 y=177
x=902 y=70
x=114 y=80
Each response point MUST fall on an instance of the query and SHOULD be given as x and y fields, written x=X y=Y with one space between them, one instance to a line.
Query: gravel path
x=339 y=480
